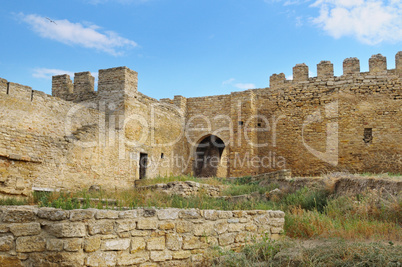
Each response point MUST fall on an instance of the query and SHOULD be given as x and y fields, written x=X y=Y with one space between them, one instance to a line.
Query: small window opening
x=241 y=123
x=259 y=124
x=368 y=135
x=162 y=155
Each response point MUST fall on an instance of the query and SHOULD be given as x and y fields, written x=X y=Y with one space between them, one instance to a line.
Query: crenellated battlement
x=325 y=69
x=16 y=90
x=84 y=83
x=113 y=83
x=351 y=67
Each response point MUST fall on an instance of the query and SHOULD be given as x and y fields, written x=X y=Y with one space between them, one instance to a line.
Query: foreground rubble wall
x=31 y=236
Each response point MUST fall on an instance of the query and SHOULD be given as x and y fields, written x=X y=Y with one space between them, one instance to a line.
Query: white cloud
x=370 y=21
x=88 y=36
x=45 y=73
x=230 y=81
x=245 y=86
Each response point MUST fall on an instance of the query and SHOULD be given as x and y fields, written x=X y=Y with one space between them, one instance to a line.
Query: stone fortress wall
x=309 y=124
x=32 y=236
x=79 y=137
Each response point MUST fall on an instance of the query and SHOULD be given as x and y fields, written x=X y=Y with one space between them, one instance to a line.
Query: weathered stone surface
x=30 y=244
x=53 y=214
x=204 y=229
x=277 y=222
x=10 y=261
x=168 y=225
x=168 y=214
x=221 y=226
x=191 y=242
x=54 y=244
x=80 y=215
x=56 y=259
x=19 y=215
x=140 y=233
x=226 y=239
x=180 y=255
x=250 y=227
x=189 y=214
x=102 y=258
x=184 y=226
x=92 y=243
x=147 y=224
x=4 y=228
x=23 y=229
x=6 y=243
x=137 y=244
x=67 y=229
x=212 y=215
x=103 y=227
x=127 y=259
x=235 y=227
x=156 y=243
x=159 y=256
x=224 y=214
x=174 y=241
x=125 y=226
x=106 y=214
x=115 y=244
x=72 y=244
x=129 y=214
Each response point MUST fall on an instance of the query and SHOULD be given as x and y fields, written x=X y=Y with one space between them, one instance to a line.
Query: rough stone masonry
x=32 y=236
x=111 y=137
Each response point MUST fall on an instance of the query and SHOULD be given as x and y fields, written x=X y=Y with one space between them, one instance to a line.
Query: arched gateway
x=208 y=156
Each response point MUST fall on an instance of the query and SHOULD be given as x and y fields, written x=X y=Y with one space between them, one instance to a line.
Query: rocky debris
x=274 y=194
x=94 y=188
x=187 y=188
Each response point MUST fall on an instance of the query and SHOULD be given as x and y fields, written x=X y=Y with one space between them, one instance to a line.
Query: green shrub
x=307 y=199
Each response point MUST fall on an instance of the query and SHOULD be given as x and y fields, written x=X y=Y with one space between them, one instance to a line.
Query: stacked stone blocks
x=33 y=236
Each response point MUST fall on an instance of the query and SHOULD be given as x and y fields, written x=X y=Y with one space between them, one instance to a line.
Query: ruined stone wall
x=49 y=143
x=32 y=236
x=37 y=148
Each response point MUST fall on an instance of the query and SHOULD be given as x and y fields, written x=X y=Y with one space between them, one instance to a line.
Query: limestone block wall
x=157 y=129
x=361 y=102
x=81 y=137
x=31 y=236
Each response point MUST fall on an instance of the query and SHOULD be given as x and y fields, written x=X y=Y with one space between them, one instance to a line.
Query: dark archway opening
x=208 y=156
x=143 y=165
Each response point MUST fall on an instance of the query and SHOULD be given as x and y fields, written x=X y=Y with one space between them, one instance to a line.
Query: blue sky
x=192 y=47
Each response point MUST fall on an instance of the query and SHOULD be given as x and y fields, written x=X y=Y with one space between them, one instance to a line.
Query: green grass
x=289 y=253
x=11 y=201
x=310 y=212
